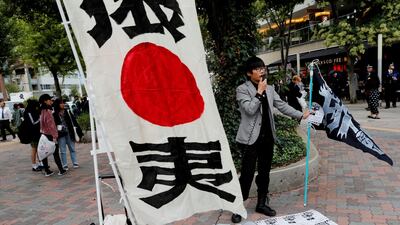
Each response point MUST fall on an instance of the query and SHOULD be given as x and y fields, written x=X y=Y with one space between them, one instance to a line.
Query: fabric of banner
x=340 y=124
x=151 y=92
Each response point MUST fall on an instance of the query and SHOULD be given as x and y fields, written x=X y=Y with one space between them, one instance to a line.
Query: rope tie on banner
x=108 y=185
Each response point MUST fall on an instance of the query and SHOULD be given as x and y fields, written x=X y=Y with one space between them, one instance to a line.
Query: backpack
x=25 y=132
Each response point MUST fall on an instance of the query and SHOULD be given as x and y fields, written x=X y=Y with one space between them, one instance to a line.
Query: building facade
x=41 y=81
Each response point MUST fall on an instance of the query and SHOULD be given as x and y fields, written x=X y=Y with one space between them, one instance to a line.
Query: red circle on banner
x=158 y=87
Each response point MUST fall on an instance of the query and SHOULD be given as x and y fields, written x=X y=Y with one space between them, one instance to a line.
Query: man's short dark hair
x=253 y=63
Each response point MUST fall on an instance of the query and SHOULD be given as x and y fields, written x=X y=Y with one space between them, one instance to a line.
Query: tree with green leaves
x=42 y=41
x=280 y=14
x=230 y=36
x=12 y=88
x=371 y=18
x=5 y=46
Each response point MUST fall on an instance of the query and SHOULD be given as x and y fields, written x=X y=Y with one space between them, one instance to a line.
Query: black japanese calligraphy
x=182 y=155
x=102 y=31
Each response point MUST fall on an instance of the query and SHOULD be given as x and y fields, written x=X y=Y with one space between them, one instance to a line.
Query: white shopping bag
x=45 y=147
x=302 y=100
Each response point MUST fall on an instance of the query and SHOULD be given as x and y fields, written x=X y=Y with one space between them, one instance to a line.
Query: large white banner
x=152 y=95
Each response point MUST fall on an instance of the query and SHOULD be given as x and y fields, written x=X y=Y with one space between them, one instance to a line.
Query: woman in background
x=32 y=115
x=66 y=122
x=48 y=128
x=294 y=93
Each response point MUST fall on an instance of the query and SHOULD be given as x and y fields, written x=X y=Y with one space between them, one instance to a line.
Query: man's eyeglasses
x=259 y=69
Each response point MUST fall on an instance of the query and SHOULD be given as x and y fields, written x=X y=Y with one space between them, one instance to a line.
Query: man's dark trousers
x=5 y=124
x=261 y=152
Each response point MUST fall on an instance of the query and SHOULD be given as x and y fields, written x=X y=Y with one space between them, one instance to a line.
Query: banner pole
x=71 y=42
x=80 y=73
x=308 y=134
x=91 y=113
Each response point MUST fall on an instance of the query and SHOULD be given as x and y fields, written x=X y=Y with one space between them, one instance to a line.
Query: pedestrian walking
x=18 y=114
x=32 y=118
x=390 y=80
x=5 y=118
x=371 y=89
x=85 y=105
x=256 y=133
x=67 y=126
x=48 y=128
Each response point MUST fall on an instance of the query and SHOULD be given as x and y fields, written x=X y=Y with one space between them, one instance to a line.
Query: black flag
x=339 y=124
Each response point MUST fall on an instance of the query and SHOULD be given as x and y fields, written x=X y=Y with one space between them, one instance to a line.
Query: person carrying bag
x=49 y=129
x=69 y=132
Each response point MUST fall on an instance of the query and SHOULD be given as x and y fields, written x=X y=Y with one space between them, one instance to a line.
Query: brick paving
x=351 y=188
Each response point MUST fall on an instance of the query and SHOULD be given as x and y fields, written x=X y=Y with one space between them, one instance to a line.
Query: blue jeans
x=63 y=142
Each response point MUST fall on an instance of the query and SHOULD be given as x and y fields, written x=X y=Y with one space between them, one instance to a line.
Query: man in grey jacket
x=256 y=134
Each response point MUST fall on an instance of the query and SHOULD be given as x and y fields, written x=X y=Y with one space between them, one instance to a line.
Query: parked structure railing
x=303 y=35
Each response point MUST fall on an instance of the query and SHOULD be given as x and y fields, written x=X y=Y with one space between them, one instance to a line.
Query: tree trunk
x=3 y=88
x=334 y=10
x=287 y=41
x=283 y=59
x=56 y=82
x=353 y=81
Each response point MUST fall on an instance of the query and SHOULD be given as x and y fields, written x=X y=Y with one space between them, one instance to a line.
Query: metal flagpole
x=94 y=150
x=308 y=133
x=80 y=72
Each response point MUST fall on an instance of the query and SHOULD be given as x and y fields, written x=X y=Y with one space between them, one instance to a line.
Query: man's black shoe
x=266 y=210
x=262 y=206
x=236 y=218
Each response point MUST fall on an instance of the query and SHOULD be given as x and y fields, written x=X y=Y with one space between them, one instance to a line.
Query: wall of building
x=271 y=57
x=41 y=83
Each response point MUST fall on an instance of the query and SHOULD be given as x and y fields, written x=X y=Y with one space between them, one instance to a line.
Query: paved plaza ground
x=351 y=187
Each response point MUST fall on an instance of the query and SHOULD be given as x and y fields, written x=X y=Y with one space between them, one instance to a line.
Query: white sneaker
x=47 y=174
x=60 y=173
x=76 y=166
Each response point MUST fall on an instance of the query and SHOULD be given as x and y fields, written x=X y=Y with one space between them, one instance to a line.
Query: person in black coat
x=390 y=85
x=67 y=127
x=32 y=116
x=371 y=90
x=294 y=93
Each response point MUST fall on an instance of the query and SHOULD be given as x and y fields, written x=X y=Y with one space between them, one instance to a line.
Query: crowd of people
x=390 y=89
x=255 y=136
x=50 y=117
x=369 y=86
x=79 y=105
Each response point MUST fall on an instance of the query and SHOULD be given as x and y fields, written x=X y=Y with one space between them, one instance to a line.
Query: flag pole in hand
x=311 y=67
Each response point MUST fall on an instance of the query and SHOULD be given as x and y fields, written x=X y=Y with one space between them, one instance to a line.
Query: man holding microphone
x=256 y=133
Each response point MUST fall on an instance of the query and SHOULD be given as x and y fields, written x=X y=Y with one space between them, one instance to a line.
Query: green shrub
x=290 y=147
x=84 y=121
